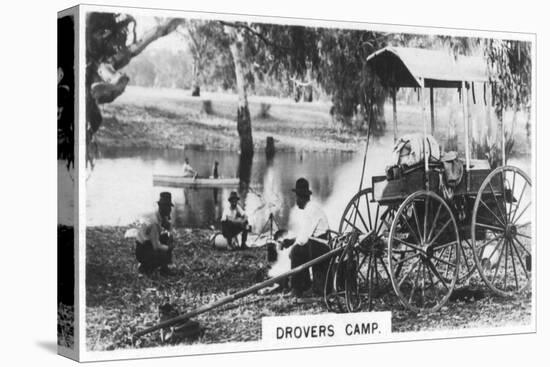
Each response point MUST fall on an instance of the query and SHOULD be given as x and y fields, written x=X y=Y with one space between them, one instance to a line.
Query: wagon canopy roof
x=417 y=67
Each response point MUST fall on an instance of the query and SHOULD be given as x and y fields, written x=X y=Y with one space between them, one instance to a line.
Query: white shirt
x=188 y=171
x=233 y=214
x=151 y=230
x=309 y=222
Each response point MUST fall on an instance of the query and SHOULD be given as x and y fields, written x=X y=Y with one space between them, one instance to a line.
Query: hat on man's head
x=165 y=198
x=233 y=196
x=302 y=187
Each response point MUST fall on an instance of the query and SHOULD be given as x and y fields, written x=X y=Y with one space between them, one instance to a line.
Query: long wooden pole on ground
x=185 y=317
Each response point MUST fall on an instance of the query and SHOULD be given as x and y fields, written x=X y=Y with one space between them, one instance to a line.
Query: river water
x=120 y=188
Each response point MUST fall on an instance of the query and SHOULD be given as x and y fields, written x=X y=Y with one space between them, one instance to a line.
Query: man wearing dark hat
x=310 y=221
x=154 y=243
x=234 y=220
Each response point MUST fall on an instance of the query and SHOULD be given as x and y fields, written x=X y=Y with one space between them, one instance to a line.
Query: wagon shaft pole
x=240 y=294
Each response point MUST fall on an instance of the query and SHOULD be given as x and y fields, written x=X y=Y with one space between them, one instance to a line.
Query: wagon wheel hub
x=429 y=252
x=372 y=244
x=510 y=231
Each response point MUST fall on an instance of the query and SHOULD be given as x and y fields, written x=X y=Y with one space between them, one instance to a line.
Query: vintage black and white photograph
x=239 y=168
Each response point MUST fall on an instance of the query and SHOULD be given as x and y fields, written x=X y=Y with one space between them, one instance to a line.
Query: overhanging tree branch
x=122 y=58
x=257 y=34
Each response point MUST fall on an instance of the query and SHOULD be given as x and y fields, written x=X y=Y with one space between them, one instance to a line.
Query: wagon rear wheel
x=363 y=261
x=424 y=252
x=501 y=230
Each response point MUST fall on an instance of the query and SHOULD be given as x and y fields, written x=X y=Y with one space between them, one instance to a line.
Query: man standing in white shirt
x=234 y=221
x=311 y=222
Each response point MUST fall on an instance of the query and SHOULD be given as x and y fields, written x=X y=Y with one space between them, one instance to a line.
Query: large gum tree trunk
x=244 y=126
x=308 y=89
x=195 y=87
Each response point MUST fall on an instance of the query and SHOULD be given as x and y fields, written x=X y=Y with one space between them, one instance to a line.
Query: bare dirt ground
x=121 y=302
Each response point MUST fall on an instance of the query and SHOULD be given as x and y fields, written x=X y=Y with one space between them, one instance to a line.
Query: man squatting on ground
x=312 y=222
x=234 y=221
x=155 y=242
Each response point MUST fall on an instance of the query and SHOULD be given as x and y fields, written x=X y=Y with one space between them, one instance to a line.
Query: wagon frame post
x=394 y=104
x=503 y=142
x=432 y=111
x=425 y=126
x=465 y=113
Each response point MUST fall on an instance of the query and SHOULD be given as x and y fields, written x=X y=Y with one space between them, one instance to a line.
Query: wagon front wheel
x=366 y=225
x=424 y=252
x=334 y=291
x=501 y=230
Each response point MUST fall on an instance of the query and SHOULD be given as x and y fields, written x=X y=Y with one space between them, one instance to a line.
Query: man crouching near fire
x=311 y=221
x=155 y=242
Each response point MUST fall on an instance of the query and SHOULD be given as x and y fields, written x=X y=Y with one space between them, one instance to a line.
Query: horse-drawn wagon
x=426 y=227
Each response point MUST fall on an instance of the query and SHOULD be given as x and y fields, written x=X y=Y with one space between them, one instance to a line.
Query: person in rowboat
x=215 y=173
x=188 y=171
x=235 y=221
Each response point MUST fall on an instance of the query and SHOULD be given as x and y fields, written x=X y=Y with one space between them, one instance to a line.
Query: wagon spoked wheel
x=424 y=252
x=501 y=230
x=363 y=261
x=334 y=292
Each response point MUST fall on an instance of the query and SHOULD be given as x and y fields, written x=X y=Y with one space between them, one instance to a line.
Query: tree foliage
x=344 y=74
x=509 y=65
x=209 y=48
x=161 y=68
x=274 y=57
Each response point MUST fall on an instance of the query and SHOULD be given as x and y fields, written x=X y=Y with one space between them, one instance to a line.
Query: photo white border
x=206 y=349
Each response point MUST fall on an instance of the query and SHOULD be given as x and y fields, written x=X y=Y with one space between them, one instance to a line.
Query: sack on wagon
x=409 y=151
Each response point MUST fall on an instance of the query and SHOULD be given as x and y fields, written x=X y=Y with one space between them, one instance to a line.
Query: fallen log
x=240 y=294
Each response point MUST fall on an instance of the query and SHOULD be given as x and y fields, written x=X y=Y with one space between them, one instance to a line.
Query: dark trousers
x=302 y=254
x=151 y=259
x=231 y=229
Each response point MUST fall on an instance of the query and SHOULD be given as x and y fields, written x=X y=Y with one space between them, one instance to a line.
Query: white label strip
x=325 y=329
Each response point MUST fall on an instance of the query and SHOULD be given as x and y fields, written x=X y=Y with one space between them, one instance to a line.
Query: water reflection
x=120 y=190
